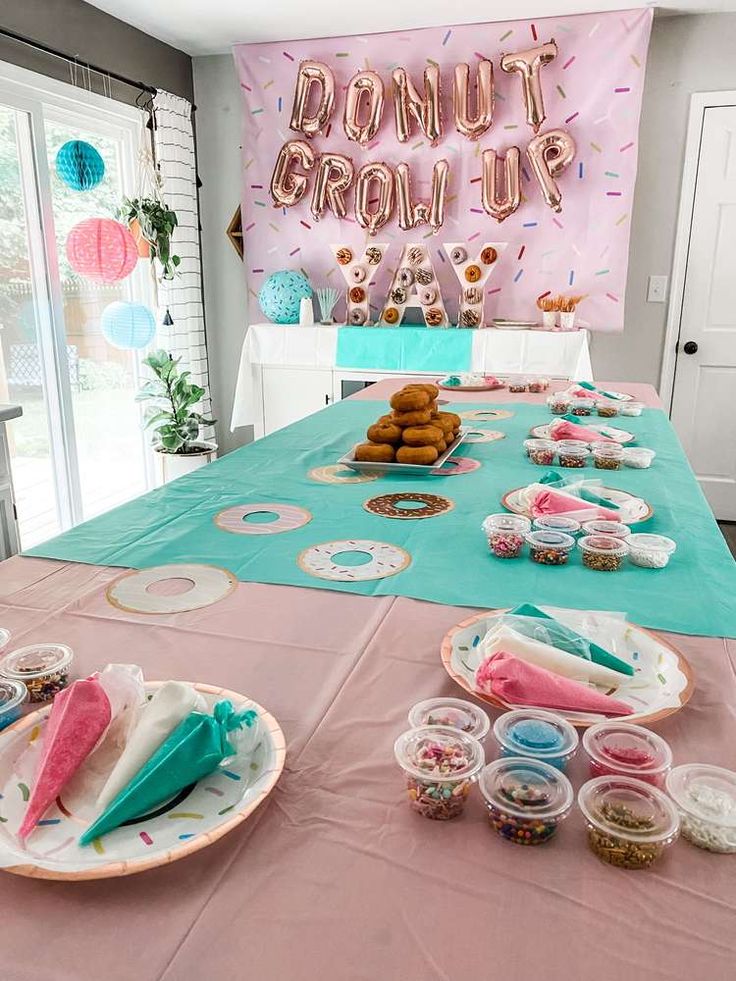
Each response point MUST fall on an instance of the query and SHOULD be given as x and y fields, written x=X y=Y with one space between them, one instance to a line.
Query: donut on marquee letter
x=414 y=282
x=472 y=270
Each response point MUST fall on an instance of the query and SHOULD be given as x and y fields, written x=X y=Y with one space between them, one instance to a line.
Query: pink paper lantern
x=101 y=249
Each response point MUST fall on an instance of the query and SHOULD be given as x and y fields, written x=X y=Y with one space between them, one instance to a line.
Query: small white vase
x=173 y=465
x=306 y=312
x=549 y=319
x=567 y=320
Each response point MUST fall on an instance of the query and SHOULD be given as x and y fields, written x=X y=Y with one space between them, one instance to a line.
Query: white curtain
x=175 y=162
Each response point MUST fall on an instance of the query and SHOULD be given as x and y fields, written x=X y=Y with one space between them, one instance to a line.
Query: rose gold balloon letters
x=528 y=65
x=312 y=73
x=421 y=213
x=473 y=126
x=364 y=95
x=496 y=204
x=426 y=110
x=549 y=154
x=380 y=176
x=287 y=188
x=333 y=177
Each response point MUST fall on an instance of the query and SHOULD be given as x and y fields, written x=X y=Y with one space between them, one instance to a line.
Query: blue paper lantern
x=79 y=165
x=128 y=326
x=282 y=294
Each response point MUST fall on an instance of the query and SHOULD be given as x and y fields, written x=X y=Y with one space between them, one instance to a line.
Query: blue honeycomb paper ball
x=127 y=326
x=282 y=294
x=79 y=165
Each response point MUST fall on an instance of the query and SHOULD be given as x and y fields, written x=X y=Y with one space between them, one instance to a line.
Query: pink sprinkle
x=534 y=31
x=472 y=237
x=542 y=295
x=305 y=225
x=296 y=250
x=257 y=187
x=496 y=290
x=613 y=194
x=612 y=297
x=626 y=147
x=568 y=62
x=327 y=131
x=558 y=223
x=257 y=270
x=479 y=55
x=570 y=118
x=622 y=90
x=287 y=55
x=475 y=180
x=146 y=838
x=521 y=252
x=248 y=227
x=476 y=211
x=246 y=87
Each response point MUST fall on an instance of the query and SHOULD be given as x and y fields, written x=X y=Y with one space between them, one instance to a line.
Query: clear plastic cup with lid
x=506 y=534
x=603 y=553
x=572 y=453
x=526 y=799
x=550 y=547
x=630 y=823
x=631 y=408
x=650 y=551
x=440 y=765
x=556 y=522
x=518 y=383
x=705 y=797
x=638 y=457
x=607 y=409
x=13 y=695
x=559 y=404
x=602 y=526
x=582 y=407
x=43 y=669
x=537 y=734
x=453 y=713
x=541 y=451
x=627 y=750
x=607 y=456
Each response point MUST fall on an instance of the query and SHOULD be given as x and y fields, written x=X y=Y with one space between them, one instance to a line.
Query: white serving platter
x=401 y=469
x=623 y=437
x=631 y=509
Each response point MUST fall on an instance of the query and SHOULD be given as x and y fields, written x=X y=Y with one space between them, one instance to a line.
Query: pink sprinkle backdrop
x=593 y=89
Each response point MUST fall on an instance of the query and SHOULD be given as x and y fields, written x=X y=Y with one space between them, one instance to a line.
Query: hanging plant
x=156 y=223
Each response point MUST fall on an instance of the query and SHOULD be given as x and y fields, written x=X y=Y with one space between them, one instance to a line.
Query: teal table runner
x=404 y=349
x=450 y=561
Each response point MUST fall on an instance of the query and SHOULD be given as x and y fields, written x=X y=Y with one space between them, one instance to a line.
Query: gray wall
x=86 y=33
x=688 y=54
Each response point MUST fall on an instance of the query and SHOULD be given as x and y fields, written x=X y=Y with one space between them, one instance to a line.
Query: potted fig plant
x=152 y=224
x=172 y=418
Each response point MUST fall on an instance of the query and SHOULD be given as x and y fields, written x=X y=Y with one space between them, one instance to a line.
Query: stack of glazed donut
x=415 y=431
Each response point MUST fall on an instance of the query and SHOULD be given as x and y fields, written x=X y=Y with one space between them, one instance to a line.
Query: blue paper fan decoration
x=79 y=165
x=128 y=326
x=281 y=295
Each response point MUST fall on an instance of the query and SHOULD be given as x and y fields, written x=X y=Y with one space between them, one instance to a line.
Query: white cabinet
x=290 y=394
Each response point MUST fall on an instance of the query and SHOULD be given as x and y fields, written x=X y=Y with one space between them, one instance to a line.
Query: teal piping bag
x=197 y=746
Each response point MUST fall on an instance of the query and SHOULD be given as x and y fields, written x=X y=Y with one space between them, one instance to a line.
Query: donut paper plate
x=631 y=509
x=477 y=383
x=662 y=682
x=403 y=469
x=612 y=432
x=195 y=818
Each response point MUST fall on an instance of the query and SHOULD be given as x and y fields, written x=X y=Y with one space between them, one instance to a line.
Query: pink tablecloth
x=334 y=877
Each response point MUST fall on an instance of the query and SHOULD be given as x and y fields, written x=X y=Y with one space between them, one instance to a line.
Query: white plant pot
x=173 y=465
x=549 y=319
x=567 y=320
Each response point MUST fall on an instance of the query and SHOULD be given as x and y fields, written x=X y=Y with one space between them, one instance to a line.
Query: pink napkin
x=518 y=682
x=562 y=429
x=552 y=502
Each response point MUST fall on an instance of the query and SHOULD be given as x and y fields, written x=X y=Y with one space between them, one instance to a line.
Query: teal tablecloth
x=404 y=349
x=450 y=558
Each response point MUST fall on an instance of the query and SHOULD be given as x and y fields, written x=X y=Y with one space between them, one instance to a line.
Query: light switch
x=657 y=289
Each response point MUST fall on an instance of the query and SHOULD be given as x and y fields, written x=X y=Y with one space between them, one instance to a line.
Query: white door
x=290 y=394
x=704 y=392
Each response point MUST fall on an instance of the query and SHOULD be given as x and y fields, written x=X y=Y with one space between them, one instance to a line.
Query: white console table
x=287 y=372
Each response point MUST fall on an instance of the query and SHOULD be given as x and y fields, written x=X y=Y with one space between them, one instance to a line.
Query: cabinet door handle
x=328 y=399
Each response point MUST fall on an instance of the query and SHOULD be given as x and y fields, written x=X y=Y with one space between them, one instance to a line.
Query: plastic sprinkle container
x=631 y=408
x=550 y=547
x=650 y=551
x=441 y=765
x=572 y=453
x=630 y=823
x=603 y=553
x=559 y=405
x=537 y=385
x=13 y=695
x=626 y=750
x=453 y=713
x=582 y=407
x=541 y=451
x=705 y=797
x=638 y=457
x=616 y=529
x=607 y=410
x=607 y=456
x=556 y=522
x=506 y=534
x=518 y=385
x=43 y=669
x=526 y=799
x=537 y=734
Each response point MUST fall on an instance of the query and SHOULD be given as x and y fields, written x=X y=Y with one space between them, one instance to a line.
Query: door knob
x=690 y=347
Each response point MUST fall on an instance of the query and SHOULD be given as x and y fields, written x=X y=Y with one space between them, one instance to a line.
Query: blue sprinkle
x=635 y=656
x=571 y=278
x=517 y=277
x=229 y=773
x=529 y=224
x=580 y=170
x=184 y=837
x=476 y=640
x=279 y=103
x=49 y=821
x=446 y=38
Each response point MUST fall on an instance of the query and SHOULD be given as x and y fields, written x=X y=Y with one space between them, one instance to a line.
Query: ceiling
x=211 y=28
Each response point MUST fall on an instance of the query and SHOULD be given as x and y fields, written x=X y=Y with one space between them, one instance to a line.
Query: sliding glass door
x=79 y=448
